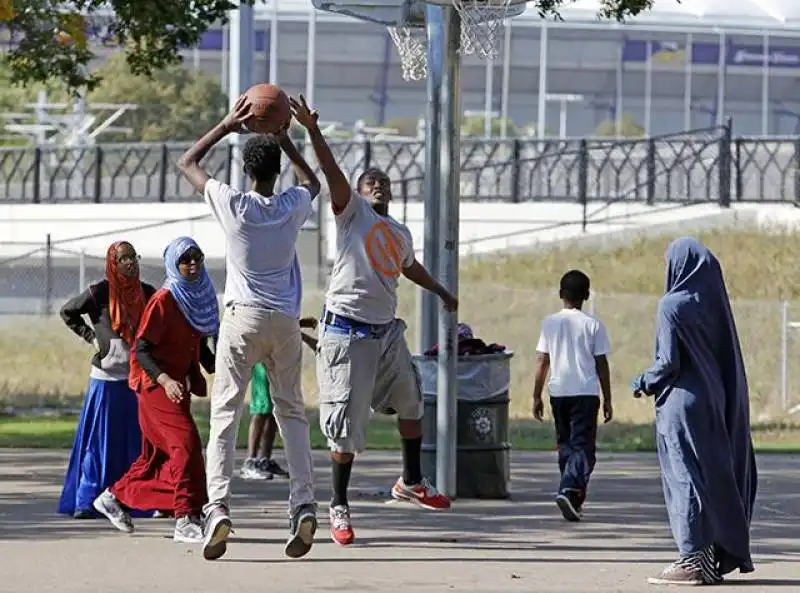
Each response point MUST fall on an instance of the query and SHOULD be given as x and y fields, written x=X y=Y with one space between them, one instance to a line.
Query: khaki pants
x=249 y=335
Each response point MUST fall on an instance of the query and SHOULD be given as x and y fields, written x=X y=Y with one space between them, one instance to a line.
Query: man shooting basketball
x=262 y=306
x=363 y=360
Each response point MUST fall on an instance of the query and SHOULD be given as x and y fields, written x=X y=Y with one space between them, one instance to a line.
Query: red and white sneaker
x=341 y=528
x=423 y=494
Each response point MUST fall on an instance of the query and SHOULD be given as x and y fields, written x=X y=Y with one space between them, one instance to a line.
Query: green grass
x=504 y=298
x=526 y=435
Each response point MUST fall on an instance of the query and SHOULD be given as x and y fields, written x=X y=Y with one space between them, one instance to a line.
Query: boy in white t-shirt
x=573 y=347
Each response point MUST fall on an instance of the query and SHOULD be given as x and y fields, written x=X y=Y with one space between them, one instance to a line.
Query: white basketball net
x=481 y=25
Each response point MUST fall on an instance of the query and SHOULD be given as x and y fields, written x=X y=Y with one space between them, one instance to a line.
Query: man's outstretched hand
x=304 y=115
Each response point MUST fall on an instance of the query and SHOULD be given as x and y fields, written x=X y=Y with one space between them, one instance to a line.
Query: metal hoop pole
x=450 y=163
x=429 y=306
x=242 y=36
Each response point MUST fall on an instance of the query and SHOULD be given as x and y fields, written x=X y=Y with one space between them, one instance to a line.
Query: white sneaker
x=188 y=530
x=106 y=504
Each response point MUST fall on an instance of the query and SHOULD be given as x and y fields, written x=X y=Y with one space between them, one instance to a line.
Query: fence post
x=404 y=193
x=230 y=164
x=725 y=166
x=98 y=174
x=162 y=179
x=738 y=166
x=48 y=275
x=367 y=154
x=784 y=354
x=516 y=156
x=797 y=171
x=82 y=271
x=583 y=181
x=37 y=175
x=651 y=172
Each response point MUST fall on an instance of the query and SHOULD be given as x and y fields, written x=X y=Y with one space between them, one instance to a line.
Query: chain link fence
x=46 y=365
x=37 y=278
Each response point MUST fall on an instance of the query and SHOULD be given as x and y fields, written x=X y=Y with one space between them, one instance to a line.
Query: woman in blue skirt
x=108 y=438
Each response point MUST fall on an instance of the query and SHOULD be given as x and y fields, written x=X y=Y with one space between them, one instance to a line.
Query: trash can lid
x=472 y=357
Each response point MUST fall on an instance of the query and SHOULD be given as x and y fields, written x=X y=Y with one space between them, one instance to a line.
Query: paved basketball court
x=486 y=547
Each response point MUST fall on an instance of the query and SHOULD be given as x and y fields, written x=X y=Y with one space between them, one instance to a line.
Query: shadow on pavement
x=625 y=513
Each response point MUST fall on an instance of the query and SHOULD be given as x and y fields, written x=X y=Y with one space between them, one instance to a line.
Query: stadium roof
x=706 y=14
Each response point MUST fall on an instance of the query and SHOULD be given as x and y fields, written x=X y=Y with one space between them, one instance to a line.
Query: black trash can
x=483 y=456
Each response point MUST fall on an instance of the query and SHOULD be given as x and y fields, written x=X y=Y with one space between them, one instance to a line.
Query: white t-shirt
x=371 y=252
x=260 y=235
x=573 y=338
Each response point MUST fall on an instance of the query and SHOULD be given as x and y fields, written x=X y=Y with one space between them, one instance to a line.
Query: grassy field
x=57 y=432
x=504 y=298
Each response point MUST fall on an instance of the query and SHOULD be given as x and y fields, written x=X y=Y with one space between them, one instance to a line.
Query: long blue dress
x=702 y=411
x=108 y=438
x=107 y=441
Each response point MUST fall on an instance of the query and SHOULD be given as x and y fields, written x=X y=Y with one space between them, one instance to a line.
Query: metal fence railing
x=704 y=165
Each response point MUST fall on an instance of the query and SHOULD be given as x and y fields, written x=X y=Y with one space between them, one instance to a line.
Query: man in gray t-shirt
x=363 y=361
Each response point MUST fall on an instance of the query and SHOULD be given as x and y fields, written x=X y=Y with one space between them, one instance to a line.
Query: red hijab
x=125 y=297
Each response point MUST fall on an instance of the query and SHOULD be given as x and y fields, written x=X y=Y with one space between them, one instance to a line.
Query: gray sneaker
x=271 y=467
x=216 y=530
x=188 y=530
x=302 y=527
x=106 y=504
x=252 y=470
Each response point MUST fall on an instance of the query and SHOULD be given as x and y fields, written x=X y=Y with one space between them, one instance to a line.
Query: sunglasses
x=192 y=256
x=129 y=259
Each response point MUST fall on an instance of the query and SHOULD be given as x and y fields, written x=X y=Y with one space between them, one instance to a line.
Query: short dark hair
x=371 y=172
x=262 y=157
x=574 y=287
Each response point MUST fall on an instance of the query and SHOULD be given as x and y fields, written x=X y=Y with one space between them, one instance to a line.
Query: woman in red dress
x=171 y=344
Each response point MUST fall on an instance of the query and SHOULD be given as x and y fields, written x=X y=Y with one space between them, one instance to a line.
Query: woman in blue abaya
x=702 y=421
x=108 y=438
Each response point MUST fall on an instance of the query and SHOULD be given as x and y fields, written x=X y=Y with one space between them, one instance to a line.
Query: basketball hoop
x=482 y=21
x=413 y=52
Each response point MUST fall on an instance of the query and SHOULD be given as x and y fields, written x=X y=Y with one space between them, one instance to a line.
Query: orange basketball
x=270 y=108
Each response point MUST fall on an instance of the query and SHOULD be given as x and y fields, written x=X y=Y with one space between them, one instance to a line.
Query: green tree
x=55 y=45
x=173 y=104
x=628 y=128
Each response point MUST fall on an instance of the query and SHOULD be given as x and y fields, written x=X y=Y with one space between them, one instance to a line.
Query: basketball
x=270 y=108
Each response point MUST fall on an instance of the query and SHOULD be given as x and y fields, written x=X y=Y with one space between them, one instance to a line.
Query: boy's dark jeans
x=576 y=433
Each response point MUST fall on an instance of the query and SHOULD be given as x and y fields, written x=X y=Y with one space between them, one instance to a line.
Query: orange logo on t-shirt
x=384 y=249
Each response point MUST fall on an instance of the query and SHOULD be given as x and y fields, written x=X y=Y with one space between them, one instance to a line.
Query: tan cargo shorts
x=363 y=371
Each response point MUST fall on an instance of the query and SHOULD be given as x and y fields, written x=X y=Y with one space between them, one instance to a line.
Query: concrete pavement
x=478 y=546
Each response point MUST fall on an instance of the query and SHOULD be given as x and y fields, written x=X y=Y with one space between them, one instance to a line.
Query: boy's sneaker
x=569 y=505
x=271 y=467
x=423 y=494
x=251 y=471
x=341 y=527
x=302 y=527
x=216 y=530
x=188 y=530
x=107 y=504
